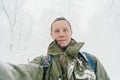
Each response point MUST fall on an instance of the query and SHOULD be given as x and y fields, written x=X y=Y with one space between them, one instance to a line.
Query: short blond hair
x=59 y=19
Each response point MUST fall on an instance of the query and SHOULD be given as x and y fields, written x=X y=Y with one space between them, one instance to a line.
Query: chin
x=63 y=46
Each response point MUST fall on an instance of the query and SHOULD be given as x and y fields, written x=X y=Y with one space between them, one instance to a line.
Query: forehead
x=60 y=23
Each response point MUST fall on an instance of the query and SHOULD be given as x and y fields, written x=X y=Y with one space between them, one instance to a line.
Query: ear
x=71 y=32
x=52 y=36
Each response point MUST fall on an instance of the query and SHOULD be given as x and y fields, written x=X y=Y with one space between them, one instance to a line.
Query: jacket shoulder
x=37 y=60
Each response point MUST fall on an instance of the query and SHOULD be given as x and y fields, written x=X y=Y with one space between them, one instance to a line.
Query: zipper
x=64 y=58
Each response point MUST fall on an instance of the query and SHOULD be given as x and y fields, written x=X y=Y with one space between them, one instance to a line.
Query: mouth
x=62 y=40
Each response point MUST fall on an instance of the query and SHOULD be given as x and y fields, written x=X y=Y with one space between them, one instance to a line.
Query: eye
x=65 y=30
x=56 y=31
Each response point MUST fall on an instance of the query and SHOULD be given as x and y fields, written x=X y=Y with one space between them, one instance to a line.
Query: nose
x=61 y=34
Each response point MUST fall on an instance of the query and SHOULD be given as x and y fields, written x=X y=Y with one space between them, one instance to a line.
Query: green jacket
x=65 y=65
x=62 y=61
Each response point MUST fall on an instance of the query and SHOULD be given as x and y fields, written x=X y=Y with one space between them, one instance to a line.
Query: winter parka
x=66 y=65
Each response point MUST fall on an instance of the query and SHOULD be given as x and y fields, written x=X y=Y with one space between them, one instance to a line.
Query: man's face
x=61 y=32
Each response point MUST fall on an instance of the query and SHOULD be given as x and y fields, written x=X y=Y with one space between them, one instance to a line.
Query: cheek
x=54 y=36
x=69 y=35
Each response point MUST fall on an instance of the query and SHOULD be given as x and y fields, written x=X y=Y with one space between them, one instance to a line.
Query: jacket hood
x=72 y=49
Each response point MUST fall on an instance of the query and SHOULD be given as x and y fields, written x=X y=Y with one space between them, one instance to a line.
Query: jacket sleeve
x=33 y=68
x=12 y=72
x=101 y=73
x=30 y=71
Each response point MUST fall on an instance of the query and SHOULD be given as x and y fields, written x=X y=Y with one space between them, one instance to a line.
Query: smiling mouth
x=61 y=40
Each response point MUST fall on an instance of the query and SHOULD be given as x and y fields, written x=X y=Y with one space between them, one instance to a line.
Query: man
x=64 y=60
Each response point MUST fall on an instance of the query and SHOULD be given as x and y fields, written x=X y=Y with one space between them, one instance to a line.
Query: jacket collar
x=72 y=49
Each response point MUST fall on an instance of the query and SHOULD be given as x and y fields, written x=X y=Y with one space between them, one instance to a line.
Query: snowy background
x=25 y=29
